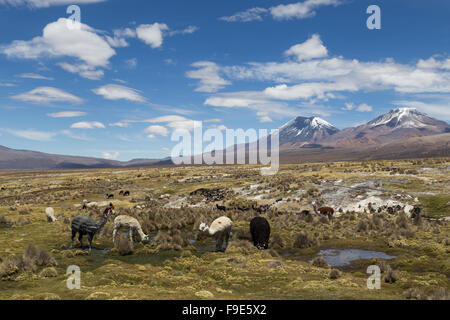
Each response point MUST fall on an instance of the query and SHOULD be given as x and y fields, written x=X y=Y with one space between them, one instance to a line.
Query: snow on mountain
x=303 y=130
x=396 y=124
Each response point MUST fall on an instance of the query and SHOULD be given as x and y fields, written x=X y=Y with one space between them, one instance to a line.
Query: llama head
x=203 y=227
x=109 y=211
x=146 y=239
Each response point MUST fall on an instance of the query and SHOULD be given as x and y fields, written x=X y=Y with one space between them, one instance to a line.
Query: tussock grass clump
x=49 y=272
x=5 y=220
x=28 y=262
x=276 y=241
x=320 y=262
x=304 y=241
x=123 y=245
x=23 y=221
x=335 y=274
x=390 y=275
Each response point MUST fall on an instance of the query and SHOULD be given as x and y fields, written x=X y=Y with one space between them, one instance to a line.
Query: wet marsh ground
x=370 y=199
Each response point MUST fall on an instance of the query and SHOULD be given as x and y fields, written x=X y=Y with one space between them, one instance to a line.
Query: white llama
x=220 y=229
x=50 y=213
x=130 y=224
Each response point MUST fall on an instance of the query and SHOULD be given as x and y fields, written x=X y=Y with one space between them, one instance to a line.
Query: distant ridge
x=400 y=133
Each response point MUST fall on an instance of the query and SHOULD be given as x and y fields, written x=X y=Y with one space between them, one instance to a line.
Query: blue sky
x=137 y=70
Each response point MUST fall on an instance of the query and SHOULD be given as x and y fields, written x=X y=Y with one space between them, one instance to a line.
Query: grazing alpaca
x=130 y=224
x=260 y=230
x=109 y=196
x=126 y=193
x=50 y=213
x=220 y=229
x=121 y=193
x=88 y=205
x=84 y=225
x=328 y=211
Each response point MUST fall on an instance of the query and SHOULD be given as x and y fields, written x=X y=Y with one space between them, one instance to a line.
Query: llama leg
x=131 y=235
x=74 y=233
x=80 y=239
x=114 y=235
x=219 y=243
x=90 y=242
x=227 y=239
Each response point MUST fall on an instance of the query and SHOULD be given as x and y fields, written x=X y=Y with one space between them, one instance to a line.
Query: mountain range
x=400 y=133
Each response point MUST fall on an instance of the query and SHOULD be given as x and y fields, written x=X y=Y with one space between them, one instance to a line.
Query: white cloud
x=117 y=92
x=187 y=30
x=84 y=70
x=45 y=3
x=252 y=14
x=298 y=10
x=110 y=156
x=67 y=114
x=120 y=124
x=34 y=76
x=72 y=135
x=57 y=40
x=310 y=49
x=440 y=109
x=162 y=131
x=208 y=74
x=119 y=38
x=88 y=125
x=364 y=108
x=349 y=106
x=152 y=34
x=131 y=63
x=32 y=134
x=47 y=95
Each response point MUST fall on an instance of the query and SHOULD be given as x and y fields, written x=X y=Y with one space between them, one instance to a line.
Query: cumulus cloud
x=162 y=131
x=364 y=108
x=88 y=125
x=118 y=92
x=300 y=10
x=47 y=95
x=57 y=40
x=208 y=74
x=110 y=156
x=310 y=49
x=67 y=114
x=152 y=34
x=314 y=76
x=85 y=45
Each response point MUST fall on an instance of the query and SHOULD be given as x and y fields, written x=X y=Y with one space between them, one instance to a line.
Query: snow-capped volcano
x=305 y=130
x=397 y=124
x=403 y=118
